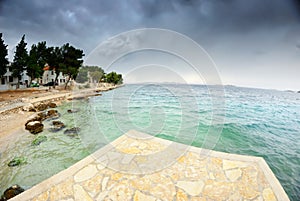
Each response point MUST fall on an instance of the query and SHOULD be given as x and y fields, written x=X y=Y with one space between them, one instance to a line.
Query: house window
x=10 y=69
x=52 y=73
x=52 y=80
x=3 y=81
x=10 y=79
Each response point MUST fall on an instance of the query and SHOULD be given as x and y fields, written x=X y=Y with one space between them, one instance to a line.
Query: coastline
x=13 y=118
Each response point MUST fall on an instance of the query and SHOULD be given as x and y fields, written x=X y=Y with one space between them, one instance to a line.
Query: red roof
x=48 y=68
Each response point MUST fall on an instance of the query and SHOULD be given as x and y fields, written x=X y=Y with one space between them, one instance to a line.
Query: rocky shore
x=25 y=116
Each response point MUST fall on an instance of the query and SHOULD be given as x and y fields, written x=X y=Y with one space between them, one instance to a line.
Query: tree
x=33 y=68
x=86 y=72
x=36 y=60
x=96 y=75
x=72 y=61
x=114 y=78
x=55 y=60
x=82 y=76
x=20 y=60
x=3 y=59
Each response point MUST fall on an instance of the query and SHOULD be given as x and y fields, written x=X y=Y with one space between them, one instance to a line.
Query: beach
x=12 y=103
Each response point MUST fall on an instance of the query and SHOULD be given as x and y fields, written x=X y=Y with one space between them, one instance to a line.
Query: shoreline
x=13 y=118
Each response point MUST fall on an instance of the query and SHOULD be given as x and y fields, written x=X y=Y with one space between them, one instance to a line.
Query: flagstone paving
x=141 y=167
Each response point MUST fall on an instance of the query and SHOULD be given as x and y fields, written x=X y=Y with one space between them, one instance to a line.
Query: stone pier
x=137 y=166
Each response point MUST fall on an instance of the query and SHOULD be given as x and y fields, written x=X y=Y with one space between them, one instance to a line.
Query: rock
x=72 y=132
x=52 y=114
x=29 y=108
x=34 y=127
x=11 y=192
x=52 y=105
x=57 y=126
x=17 y=161
x=39 y=140
x=41 y=107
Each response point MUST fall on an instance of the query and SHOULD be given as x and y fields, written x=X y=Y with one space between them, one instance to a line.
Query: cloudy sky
x=253 y=43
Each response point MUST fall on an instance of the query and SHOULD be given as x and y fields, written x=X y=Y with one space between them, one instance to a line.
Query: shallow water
x=254 y=122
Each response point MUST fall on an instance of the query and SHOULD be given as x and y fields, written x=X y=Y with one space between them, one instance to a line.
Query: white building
x=8 y=82
x=49 y=76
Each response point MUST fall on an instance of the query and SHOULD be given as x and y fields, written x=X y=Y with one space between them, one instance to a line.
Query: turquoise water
x=247 y=121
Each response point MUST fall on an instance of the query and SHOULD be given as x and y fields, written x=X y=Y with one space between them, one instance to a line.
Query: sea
x=248 y=121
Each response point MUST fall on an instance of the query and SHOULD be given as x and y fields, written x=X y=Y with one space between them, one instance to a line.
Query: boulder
x=52 y=114
x=11 y=192
x=44 y=115
x=57 y=126
x=52 y=105
x=36 y=117
x=34 y=127
x=72 y=132
x=41 y=107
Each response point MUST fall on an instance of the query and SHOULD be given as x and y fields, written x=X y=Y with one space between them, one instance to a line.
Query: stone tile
x=93 y=185
x=247 y=192
x=85 y=173
x=138 y=196
x=104 y=183
x=181 y=195
x=198 y=199
x=192 y=188
x=80 y=194
x=228 y=164
x=62 y=190
x=217 y=190
x=234 y=174
x=120 y=190
x=268 y=195
x=42 y=197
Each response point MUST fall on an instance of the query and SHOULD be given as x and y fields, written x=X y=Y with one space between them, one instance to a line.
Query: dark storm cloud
x=230 y=30
x=87 y=20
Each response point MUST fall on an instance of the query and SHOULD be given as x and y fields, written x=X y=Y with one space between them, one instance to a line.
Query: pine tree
x=72 y=61
x=20 y=60
x=33 y=69
x=3 y=59
x=37 y=59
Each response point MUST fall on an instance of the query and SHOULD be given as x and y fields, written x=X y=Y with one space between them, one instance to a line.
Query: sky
x=252 y=43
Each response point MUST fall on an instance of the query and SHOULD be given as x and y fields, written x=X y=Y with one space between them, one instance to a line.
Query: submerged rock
x=52 y=105
x=11 y=192
x=57 y=126
x=34 y=127
x=39 y=140
x=52 y=114
x=72 y=111
x=72 y=132
x=17 y=161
